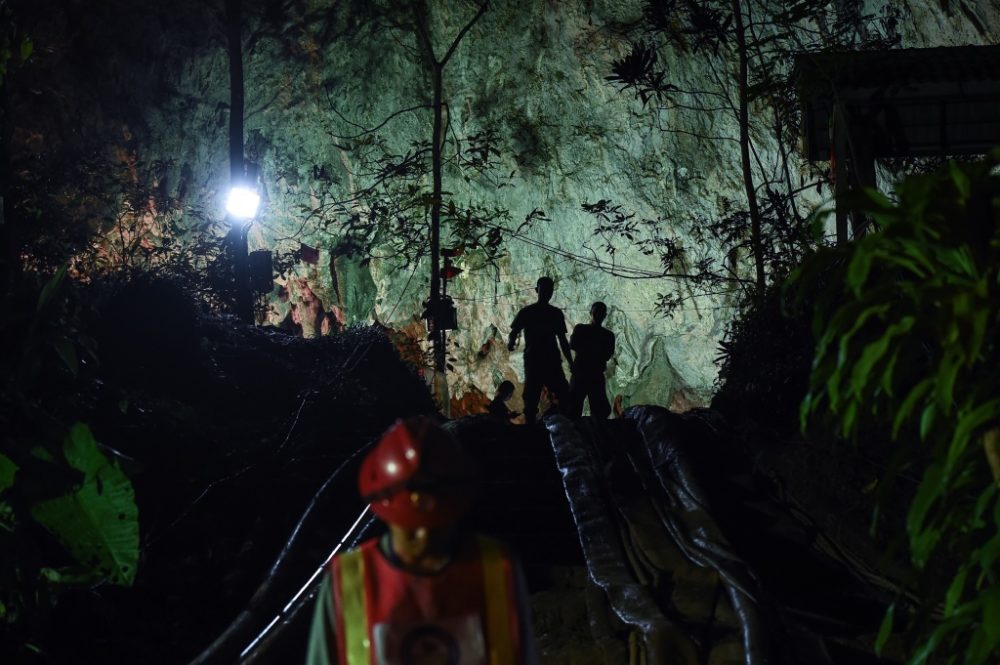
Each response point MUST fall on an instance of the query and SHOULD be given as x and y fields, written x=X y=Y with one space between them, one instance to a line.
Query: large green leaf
x=961 y=180
x=955 y=590
x=988 y=554
x=885 y=630
x=7 y=472
x=929 y=491
x=991 y=618
x=982 y=503
x=861 y=374
x=985 y=642
x=927 y=648
x=50 y=288
x=906 y=408
x=947 y=374
x=969 y=420
x=98 y=523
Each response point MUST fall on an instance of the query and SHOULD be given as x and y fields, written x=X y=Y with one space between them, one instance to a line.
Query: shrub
x=907 y=342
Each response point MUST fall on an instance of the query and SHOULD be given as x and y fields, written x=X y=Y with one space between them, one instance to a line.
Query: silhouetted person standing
x=594 y=346
x=543 y=326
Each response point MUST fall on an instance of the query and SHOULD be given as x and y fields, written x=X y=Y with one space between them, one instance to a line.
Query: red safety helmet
x=417 y=476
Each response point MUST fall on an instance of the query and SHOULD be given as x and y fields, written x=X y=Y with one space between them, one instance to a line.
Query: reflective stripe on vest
x=498 y=612
x=496 y=587
x=354 y=608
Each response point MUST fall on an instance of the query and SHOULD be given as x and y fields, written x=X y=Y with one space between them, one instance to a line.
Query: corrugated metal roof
x=868 y=69
x=934 y=101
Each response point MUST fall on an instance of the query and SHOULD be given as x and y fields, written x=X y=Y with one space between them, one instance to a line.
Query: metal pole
x=237 y=166
x=244 y=300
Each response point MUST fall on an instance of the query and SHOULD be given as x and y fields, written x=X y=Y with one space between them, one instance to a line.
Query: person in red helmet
x=424 y=592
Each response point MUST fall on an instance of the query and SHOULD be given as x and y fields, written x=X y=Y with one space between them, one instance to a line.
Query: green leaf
x=66 y=350
x=861 y=374
x=954 y=593
x=961 y=181
x=69 y=576
x=869 y=200
x=906 y=408
x=982 y=504
x=986 y=638
x=805 y=409
x=926 y=421
x=968 y=423
x=887 y=373
x=7 y=472
x=857 y=271
x=834 y=378
x=98 y=522
x=980 y=319
x=991 y=618
x=947 y=375
x=50 y=288
x=927 y=493
x=922 y=545
x=964 y=263
x=849 y=419
x=862 y=319
x=42 y=453
x=27 y=48
x=915 y=257
x=925 y=650
x=885 y=630
x=989 y=553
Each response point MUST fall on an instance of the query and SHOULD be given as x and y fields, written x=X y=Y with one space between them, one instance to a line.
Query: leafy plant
x=68 y=516
x=97 y=522
x=638 y=71
x=908 y=345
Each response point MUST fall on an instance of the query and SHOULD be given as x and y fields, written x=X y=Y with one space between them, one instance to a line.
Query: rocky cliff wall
x=151 y=80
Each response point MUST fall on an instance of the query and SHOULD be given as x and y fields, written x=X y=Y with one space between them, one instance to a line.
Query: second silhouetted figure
x=544 y=325
x=594 y=345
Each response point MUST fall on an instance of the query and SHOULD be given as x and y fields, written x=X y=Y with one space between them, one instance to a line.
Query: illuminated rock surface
x=229 y=449
x=533 y=74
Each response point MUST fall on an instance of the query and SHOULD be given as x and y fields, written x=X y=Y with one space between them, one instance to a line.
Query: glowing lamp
x=242 y=202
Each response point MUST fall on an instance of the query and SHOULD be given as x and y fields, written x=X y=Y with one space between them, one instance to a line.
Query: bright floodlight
x=242 y=202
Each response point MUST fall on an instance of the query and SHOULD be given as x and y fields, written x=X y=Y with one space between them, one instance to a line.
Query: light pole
x=243 y=199
x=241 y=208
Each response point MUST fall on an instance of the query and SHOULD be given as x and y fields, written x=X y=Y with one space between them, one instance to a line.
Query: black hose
x=273 y=593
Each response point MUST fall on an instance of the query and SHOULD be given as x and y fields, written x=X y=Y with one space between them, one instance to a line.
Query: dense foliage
x=907 y=346
x=68 y=516
x=763 y=364
x=203 y=443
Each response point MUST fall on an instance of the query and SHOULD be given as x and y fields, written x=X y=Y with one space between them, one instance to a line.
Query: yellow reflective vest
x=469 y=613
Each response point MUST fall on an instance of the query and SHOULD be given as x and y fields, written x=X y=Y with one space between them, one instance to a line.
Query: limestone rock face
x=330 y=85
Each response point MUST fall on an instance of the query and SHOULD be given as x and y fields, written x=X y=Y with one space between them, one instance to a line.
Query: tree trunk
x=756 y=242
x=420 y=15
x=234 y=34
x=436 y=167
